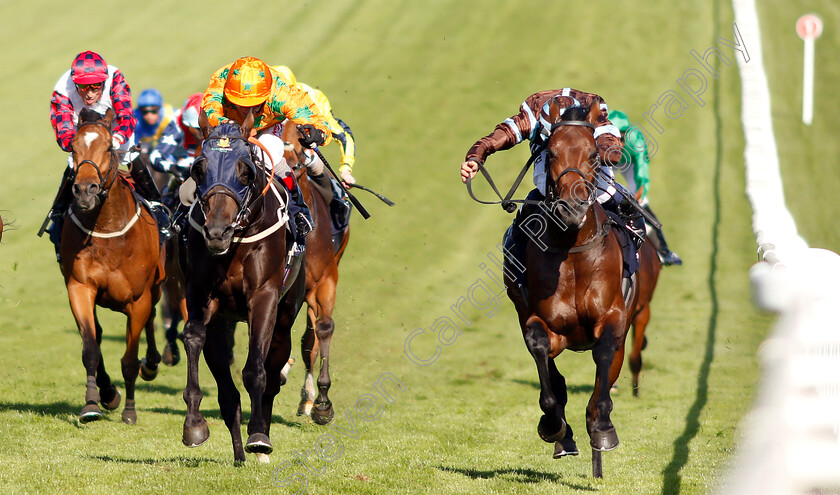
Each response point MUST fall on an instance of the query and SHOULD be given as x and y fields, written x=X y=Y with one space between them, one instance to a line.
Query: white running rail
x=790 y=442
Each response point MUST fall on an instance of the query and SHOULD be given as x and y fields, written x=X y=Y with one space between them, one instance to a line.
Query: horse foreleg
x=639 y=325
x=262 y=316
x=602 y=433
x=82 y=301
x=138 y=316
x=566 y=445
x=552 y=425
x=322 y=412
x=196 y=431
x=109 y=396
x=216 y=356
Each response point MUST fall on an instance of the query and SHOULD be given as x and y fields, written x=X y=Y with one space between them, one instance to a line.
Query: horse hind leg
x=635 y=358
x=309 y=350
x=322 y=412
x=149 y=364
x=552 y=426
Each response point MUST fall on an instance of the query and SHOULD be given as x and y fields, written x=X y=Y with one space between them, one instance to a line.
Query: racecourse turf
x=419 y=82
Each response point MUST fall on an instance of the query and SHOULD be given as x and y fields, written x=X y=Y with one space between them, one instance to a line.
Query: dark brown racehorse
x=111 y=258
x=322 y=258
x=646 y=278
x=574 y=294
x=237 y=269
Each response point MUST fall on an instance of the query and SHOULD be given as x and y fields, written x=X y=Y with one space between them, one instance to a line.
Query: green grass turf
x=418 y=82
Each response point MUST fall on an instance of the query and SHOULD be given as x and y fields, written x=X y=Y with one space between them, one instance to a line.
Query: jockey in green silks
x=635 y=167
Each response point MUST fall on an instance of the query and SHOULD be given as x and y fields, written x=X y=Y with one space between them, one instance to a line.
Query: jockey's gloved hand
x=116 y=141
x=312 y=136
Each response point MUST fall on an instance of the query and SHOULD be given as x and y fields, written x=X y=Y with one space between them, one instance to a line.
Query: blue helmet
x=150 y=98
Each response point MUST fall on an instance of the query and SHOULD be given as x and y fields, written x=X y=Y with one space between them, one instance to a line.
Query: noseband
x=106 y=182
x=243 y=205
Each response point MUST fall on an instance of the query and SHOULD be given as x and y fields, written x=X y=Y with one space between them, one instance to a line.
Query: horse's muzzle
x=218 y=238
x=87 y=196
x=570 y=213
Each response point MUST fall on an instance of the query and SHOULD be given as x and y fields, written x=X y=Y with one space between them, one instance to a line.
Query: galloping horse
x=574 y=297
x=322 y=258
x=238 y=269
x=111 y=257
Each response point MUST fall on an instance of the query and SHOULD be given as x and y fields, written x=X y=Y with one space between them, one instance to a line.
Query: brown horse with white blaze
x=111 y=257
x=574 y=289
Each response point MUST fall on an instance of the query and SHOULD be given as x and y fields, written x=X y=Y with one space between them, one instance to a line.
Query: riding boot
x=515 y=242
x=666 y=256
x=145 y=185
x=634 y=220
x=59 y=209
x=303 y=223
x=323 y=185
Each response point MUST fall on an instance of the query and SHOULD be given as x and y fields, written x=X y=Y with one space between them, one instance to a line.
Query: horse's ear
x=245 y=172
x=555 y=111
x=198 y=170
x=595 y=110
x=108 y=119
x=203 y=123
x=248 y=124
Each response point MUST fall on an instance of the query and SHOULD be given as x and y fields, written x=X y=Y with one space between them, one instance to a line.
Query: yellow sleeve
x=348 y=145
x=211 y=103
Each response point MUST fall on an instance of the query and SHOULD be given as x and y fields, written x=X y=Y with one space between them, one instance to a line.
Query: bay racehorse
x=111 y=257
x=574 y=285
x=237 y=268
x=323 y=253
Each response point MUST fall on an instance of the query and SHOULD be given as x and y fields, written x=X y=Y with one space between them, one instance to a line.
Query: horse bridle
x=240 y=221
x=572 y=170
x=105 y=183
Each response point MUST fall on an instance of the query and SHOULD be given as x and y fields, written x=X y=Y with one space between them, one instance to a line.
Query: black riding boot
x=145 y=185
x=302 y=217
x=667 y=256
x=59 y=209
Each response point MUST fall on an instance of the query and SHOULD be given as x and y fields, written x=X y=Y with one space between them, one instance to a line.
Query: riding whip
x=381 y=197
x=353 y=199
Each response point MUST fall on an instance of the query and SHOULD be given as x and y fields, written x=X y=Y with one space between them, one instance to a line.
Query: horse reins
x=506 y=202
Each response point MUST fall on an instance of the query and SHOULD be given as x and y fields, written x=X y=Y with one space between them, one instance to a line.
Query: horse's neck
x=569 y=236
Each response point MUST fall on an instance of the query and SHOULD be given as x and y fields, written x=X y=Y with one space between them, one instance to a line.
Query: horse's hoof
x=129 y=414
x=603 y=441
x=196 y=435
x=171 y=356
x=565 y=447
x=114 y=402
x=148 y=372
x=305 y=408
x=90 y=412
x=258 y=443
x=549 y=433
x=322 y=414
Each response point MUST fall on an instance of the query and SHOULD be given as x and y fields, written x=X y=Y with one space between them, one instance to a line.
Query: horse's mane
x=575 y=113
x=88 y=115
